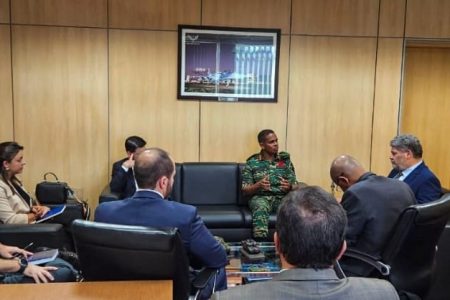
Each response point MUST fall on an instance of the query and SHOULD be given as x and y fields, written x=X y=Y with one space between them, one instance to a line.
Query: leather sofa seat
x=210 y=183
x=219 y=216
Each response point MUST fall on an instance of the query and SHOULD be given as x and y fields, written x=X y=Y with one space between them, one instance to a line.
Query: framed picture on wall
x=228 y=64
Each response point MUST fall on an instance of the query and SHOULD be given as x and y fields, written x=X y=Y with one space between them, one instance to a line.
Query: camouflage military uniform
x=264 y=202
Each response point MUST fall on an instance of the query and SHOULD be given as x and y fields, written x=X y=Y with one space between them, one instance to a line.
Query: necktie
x=399 y=174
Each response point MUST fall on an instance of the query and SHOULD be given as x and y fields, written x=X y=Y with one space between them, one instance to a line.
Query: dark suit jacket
x=423 y=183
x=122 y=182
x=373 y=205
x=312 y=284
x=147 y=208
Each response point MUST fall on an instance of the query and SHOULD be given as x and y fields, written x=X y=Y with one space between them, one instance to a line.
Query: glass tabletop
x=243 y=268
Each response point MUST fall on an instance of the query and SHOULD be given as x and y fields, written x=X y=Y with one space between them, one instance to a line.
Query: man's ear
x=342 y=251
x=161 y=183
x=409 y=154
x=343 y=182
x=276 y=241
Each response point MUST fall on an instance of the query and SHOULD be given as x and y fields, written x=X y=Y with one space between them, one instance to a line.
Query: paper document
x=54 y=211
x=43 y=257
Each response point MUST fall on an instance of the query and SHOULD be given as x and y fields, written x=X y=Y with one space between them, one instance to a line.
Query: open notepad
x=43 y=257
x=53 y=212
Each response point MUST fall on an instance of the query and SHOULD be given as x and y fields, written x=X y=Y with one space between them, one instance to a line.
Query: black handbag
x=52 y=192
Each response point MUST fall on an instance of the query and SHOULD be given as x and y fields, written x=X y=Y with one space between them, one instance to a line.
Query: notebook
x=43 y=257
x=53 y=212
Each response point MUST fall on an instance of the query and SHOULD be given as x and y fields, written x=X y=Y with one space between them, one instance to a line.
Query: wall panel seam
x=108 y=95
x=402 y=69
x=288 y=79
x=12 y=72
x=374 y=86
x=335 y=35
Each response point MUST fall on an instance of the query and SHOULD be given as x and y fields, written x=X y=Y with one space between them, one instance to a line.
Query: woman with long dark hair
x=16 y=205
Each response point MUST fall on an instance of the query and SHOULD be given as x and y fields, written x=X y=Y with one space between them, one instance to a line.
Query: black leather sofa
x=52 y=234
x=41 y=235
x=215 y=189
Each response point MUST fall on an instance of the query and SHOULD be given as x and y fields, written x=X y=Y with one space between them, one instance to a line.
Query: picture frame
x=228 y=63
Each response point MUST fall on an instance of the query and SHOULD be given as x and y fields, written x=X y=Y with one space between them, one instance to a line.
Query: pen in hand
x=28 y=246
x=24 y=248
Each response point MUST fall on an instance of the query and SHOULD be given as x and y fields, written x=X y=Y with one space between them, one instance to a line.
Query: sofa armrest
x=107 y=195
x=42 y=235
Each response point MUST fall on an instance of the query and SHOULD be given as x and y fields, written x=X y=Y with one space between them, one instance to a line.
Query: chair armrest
x=106 y=195
x=202 y=278
x=382 y=268
x=42 y=235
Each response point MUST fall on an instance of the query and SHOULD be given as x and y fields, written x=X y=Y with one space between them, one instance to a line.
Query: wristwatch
x=23 y=263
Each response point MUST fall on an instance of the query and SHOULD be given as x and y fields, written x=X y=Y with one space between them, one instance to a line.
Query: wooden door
x=426 y=105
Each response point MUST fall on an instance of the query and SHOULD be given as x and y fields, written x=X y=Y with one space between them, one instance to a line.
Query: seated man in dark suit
x=373 y=205
x=122 y=178
x=309 y=238
x=406 y=158
x=154 y=171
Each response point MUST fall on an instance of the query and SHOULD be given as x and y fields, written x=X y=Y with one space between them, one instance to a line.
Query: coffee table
x=242 y=270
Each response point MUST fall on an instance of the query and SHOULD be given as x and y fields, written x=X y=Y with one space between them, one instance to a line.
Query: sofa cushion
x=210 y=183
x=221 y=216
x=242 y=200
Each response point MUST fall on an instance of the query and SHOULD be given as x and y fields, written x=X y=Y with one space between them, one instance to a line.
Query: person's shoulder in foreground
x=309 y=238
x=292 y=284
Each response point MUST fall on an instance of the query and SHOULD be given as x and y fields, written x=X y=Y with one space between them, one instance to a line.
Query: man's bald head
x=150 y=165
x=345 y=171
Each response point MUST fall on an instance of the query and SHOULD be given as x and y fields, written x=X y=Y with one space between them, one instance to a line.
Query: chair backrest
x=123 y=252
x=411 y=250
x=210 y=183
x=175 y=195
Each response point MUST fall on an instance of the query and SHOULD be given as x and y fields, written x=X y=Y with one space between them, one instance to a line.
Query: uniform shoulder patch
x=284 y=155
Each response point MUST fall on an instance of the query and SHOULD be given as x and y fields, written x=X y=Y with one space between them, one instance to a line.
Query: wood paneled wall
x=142 y=69
x=6 y=108
x=82 y=13
x=386 y=101
x=335 y=18
x=426 y=105
x=4 y=11
x=77 y=77
x=61 y=103
x=331 y=103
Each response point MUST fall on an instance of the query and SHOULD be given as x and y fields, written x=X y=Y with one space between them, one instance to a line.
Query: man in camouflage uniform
x=268 y=176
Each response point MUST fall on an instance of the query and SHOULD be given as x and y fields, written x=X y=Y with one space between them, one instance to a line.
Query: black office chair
x=122 y=252
x=408 y=259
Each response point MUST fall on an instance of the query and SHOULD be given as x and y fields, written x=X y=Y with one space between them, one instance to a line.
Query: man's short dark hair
x=134 y=142
x=406 y=142
x=310 y=227
x=262 y=135
x=150 y=165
